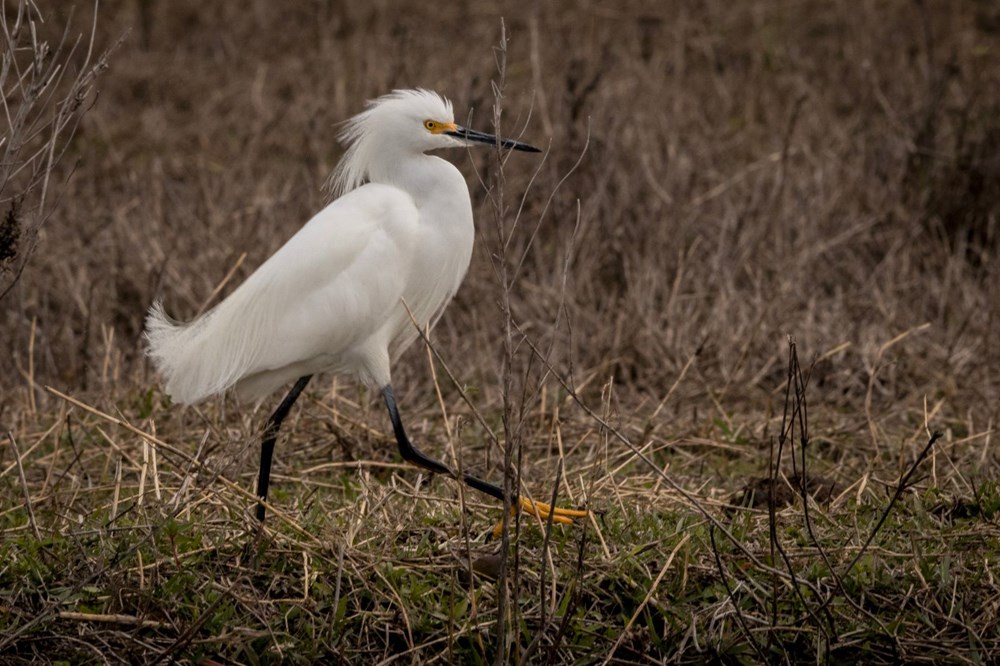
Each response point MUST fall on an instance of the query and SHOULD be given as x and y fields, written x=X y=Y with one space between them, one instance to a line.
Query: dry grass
x=827 y=171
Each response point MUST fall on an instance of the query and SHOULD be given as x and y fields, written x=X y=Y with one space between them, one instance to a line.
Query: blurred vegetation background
x=826 y=170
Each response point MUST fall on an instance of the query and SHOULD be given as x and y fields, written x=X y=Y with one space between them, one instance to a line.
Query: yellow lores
x=435 y=127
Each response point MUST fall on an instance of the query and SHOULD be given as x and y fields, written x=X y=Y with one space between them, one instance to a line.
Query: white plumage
x=331 y=299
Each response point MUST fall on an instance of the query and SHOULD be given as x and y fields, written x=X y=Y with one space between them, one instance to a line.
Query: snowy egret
x=334 y=298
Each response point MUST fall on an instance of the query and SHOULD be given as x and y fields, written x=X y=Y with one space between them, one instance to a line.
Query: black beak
x=483 y=137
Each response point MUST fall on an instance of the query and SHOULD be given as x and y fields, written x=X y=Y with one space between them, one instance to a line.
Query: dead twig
x=115 y=618
x=900 y=489
x=24 y=486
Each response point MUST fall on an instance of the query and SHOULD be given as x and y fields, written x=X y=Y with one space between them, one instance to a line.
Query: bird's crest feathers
x=362 y=134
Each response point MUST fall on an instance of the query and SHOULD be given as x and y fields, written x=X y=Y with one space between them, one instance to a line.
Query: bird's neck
x=424 y=177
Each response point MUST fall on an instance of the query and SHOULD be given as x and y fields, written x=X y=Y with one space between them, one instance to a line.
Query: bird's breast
x=440 y=258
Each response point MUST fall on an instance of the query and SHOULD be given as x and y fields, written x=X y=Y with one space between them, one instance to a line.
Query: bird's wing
x=325 y=291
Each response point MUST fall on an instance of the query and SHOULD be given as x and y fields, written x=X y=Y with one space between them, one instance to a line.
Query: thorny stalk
x=499 y=261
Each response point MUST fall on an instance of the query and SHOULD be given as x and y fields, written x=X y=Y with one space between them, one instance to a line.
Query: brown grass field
x=728 y=190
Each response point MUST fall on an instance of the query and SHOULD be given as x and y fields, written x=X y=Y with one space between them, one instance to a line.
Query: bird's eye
x=430 y=125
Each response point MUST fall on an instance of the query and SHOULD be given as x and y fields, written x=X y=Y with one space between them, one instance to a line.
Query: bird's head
x=400 y=122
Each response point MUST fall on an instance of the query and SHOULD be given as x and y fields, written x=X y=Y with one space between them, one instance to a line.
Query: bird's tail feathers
x=193 y=361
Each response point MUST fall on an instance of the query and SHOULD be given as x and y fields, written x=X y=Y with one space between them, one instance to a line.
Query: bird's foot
x=543 y=511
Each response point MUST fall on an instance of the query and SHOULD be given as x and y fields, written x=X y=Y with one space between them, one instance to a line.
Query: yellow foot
x=543 y=511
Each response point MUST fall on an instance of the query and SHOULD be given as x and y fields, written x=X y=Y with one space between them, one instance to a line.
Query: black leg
x=412 y=454
x=270 y=435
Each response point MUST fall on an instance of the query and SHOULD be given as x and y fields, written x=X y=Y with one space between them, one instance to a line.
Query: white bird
x=332 y=298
